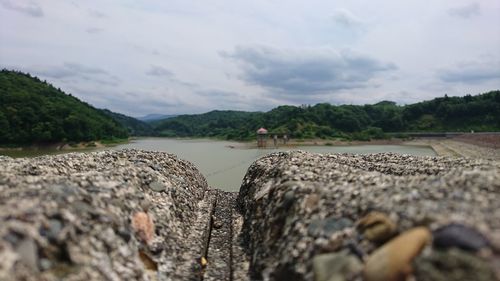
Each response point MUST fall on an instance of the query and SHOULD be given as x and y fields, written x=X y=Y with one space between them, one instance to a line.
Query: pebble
x=27 y=251
x=460 y=236
x=143 y=226
x=392 y=261
x=376 y=227
x=157 y=186
x=339 y=266
x=328 y=226
x=452 y=265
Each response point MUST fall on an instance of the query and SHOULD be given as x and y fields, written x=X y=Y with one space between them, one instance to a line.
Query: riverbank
x=471 y=146
x=455 y=147
x=59 y=148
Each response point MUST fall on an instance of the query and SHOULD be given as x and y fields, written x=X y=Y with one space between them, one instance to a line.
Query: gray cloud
x=94 y=30
x=96 y=14
x=156 y=70
x=30 y=8
x=470 y=72
x=69 y=69
x=306 y=71
x=346 y=18
x=466 y=11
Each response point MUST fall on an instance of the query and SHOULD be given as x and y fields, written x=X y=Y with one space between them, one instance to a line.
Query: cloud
x=471 y=72
x=29 y=8
x=346 y=18
x=94 y=30
x=96 y=14
x=69 y=69
x=306 y=71
x=159 y=71
x=466 y=11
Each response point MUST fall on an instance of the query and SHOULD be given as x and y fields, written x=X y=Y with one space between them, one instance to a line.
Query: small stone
x=148 y=262
x=143 y=226
x=55 y=227
x=452 y=265
x=392 y=262
x=311 y=201
x=333 y=225
x=217 y=224
x=460 y=236
x=288 y=199
x=336 y=266
x=203 y=261
x=157 y=186
x=376 y=227
x=328 y=226
x=27 y=251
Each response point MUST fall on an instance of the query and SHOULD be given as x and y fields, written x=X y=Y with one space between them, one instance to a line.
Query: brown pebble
x=392 y=262
x=376 y=227
x=143 y=226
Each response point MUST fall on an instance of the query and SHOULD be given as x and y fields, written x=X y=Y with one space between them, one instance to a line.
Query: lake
x=223 y=166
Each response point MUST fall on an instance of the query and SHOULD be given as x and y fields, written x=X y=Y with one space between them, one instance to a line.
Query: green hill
x=134 y=126
x=363 y=122
x=33 y=111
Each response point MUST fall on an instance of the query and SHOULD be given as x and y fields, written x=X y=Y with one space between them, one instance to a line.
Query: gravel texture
x=70 y=217
x=298 y=205
x=138 y=215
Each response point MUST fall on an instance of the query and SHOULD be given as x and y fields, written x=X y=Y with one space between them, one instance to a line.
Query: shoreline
x=63 y=146
x=450 y=147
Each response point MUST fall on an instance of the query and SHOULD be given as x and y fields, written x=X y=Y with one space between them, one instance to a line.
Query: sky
x=182 y=57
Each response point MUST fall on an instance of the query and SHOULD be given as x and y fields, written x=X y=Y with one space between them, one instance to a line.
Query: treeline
x=33 y=111
x=361 y=122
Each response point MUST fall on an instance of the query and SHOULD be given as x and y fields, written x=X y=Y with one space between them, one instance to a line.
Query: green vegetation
x=359 y=122
x=33 y=111
x=135 y=127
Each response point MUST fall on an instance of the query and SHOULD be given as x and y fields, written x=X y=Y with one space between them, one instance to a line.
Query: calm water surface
x=224 y=167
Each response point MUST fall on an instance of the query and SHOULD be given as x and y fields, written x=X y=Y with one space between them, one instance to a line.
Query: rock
x=86 y=216
x=143 y=226
x=328 y=226
x=157 y=186
x=55 y=227
x=376 y=227
x=28 y=253
x=392 y=262
x=460 y=236
x=336 y=266
x=452 y=265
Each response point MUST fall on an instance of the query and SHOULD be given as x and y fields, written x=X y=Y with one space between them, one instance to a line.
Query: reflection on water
x=223 y=166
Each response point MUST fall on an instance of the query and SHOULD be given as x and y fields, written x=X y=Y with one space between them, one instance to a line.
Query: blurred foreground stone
x=137 y=215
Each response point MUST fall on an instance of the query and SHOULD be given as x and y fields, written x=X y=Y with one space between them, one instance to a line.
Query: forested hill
x=134 y=126
x=478 y=113
x=33 y=111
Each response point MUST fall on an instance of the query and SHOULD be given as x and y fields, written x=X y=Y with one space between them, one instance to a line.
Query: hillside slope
x=33 y=111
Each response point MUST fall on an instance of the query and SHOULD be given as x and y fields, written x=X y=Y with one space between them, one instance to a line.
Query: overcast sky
x=171 y=57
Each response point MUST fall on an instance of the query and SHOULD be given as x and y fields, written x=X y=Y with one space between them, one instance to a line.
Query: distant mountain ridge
x=135 y=127
x=360 y=122
x=154 y=117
